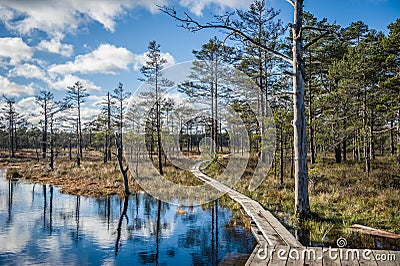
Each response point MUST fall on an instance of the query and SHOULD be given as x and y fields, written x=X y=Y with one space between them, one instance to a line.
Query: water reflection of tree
x=204 y=241
x=158 y=230
x=104 y=210
x=51 y=211
x=75 y=235
x=121 y=218
x=44 y=206
x=10 y=200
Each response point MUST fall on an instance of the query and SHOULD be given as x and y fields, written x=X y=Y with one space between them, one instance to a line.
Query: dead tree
x=124 y=171
x=234 y=28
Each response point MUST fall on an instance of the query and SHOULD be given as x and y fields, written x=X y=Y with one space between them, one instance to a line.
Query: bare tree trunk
x=358 y=141
x=310 y=117
x=158 y=125
x=215 y=119
x=365 y=132
x=107 y=144
x=275 y=170
x=371 y=141
x=36 y=149
x=262 y=98
x=44 y=133
x=281 y=155
x=51 y=144
x=345 y=142
x=79 y=128
x=70 y=149
x=124 y=171
x=398 y=133
x=291 y=161
x=392 y=149
x=212 y=146
x=78 y=154
x=338 y=153
x=302 y=205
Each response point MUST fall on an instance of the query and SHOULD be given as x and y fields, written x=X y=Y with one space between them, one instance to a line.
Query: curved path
x=277 y=246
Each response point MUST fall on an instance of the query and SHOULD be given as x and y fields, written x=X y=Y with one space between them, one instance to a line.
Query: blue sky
x=46 y=44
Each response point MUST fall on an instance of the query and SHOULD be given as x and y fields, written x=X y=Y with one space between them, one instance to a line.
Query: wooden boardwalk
x=277 y=246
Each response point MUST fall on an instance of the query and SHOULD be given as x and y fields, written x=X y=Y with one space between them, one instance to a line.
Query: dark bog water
x=38 y=225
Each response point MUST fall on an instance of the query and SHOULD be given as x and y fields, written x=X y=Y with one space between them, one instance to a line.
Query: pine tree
x=75 y=98
x=151 y=70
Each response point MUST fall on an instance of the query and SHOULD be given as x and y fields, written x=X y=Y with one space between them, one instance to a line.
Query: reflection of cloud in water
x=66 y=229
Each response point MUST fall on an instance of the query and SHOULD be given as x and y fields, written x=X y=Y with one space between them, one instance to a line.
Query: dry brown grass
x=340 y=194
x=93 y=178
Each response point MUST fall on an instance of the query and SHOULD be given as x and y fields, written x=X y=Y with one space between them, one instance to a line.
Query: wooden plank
x=367 y=258
x=372 y=231
x=261 y=255
x=397 y=256
x=258 y=235
x=382 y=257
x=279 y=256
x=279 y=228
x=253 y=256
x=267 y=231
x=349 y=257
x=295 y=256
x=330 y=258
x=313 y=256
x=272 y=231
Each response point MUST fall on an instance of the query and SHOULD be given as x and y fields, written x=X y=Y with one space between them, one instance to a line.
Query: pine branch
x=192 y=25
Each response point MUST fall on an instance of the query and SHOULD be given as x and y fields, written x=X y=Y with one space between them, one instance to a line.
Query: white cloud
x=69 y=80
x=55 y=46
x=27 y=107
x=106 y=59
x=13 y=89
x=28 y=71
x=55 y=17
x=197 y=6
x=140 y=59
x=97 y=100
x=15 y=49
x=88 y=114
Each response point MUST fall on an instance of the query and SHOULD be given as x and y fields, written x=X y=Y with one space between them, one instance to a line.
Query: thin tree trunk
x=392 y=147
x=51 y=144
x=345 y=142
x=398 y=133
x=291 y=161
x=302 y=205
x=158 y=125
x=281 y=155
x=70 y=149
x=158 y=231
x=338 y=153
x=365 y=131
x=44 y=133
x=78 y=155
x=371 y=141
x=124 y=171
x=310 y=117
